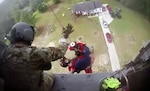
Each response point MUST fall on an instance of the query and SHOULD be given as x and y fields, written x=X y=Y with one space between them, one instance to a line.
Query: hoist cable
x=55 y=15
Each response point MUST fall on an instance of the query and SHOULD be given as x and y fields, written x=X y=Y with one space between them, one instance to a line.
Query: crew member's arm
x=54 y=53
x=50 y=54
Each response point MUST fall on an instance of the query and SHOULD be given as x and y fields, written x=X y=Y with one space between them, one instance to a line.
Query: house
x=87 y=8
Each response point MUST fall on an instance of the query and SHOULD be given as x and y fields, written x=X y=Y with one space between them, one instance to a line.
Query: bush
x=42 y=7
x=56 y=1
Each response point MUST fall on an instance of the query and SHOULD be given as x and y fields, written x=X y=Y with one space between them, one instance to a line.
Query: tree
x=147 y=10
x=142 y=6
x=24 y=16
x=139 y=5
x=15 y=13
x=36 y=3
x=24 y=3
x=43 y=7
x=5 y=19
x=28 y=17
x=56 y=1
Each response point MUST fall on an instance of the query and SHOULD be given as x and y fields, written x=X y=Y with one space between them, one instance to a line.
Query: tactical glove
x=67 y=31
x=64 y=63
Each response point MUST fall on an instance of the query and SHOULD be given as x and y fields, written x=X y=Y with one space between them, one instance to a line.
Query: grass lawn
x=129 y=33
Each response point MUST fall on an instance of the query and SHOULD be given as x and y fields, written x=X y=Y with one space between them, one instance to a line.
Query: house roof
x=88 y=5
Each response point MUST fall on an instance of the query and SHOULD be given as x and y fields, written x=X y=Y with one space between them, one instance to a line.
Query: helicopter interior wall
x=140 y=80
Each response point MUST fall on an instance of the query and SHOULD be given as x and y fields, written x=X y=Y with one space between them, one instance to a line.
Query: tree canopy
x=142 y=6
x=19 y=11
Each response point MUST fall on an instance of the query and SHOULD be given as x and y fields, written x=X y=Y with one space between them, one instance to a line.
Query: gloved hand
x=78 y=53
x=64 y=62
x=67 y=31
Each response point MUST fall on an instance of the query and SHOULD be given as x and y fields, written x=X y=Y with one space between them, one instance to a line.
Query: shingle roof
x=88 y=5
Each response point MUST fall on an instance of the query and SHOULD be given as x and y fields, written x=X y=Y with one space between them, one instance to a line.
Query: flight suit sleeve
x=54 y=53
x=70 y=54
x=49 y=54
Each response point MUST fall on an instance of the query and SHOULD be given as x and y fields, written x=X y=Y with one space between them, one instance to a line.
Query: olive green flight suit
x=22 y=69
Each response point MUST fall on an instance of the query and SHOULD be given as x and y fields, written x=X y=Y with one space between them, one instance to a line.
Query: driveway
x=105 y=16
